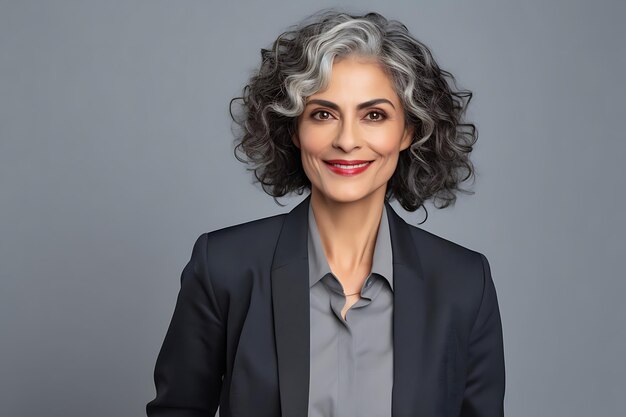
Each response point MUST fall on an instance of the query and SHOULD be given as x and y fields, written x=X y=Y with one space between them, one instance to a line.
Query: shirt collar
x=382 y=262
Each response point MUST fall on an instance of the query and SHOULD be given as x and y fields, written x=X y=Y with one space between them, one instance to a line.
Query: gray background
x=116 y=153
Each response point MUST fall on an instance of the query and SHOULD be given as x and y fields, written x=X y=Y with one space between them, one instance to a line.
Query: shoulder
x=229 y=251
x=251 y=234
x=438 y=248
x=459 y=271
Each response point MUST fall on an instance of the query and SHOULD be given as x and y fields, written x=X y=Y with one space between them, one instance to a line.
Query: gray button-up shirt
x=351 y=361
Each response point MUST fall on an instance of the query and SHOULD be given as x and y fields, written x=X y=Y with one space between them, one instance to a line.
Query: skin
x=348 y=209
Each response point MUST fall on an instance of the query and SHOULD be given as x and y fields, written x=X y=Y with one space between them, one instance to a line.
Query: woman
x=339 y=307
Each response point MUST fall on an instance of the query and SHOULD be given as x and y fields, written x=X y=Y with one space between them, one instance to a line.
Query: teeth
x=351 y=166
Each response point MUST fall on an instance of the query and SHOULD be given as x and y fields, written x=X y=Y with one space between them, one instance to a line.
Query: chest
x=351 y=352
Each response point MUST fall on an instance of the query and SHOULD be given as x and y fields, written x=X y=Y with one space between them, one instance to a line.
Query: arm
x=190 y=364
x=484 y=389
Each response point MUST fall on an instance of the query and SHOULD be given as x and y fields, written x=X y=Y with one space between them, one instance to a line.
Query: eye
x=324 y=115
x=378 y=115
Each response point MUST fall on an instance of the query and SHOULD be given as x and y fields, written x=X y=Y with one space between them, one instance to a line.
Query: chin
x=345 y=194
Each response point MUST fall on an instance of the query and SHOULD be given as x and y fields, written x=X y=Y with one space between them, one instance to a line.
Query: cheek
x=310 y=153
x=311 y=143
x=310 y=150
x=387 y=149
x=386 y=141
x=389 y=153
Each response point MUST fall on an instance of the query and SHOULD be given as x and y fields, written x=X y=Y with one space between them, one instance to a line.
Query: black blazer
x=243 y=313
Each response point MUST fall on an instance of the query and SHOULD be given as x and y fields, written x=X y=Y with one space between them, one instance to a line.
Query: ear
x=407 y=138
x=296 y=140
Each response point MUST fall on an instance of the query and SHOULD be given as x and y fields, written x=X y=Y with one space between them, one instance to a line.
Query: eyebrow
x=359 y=106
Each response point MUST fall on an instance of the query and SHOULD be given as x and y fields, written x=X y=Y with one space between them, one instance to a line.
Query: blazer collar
x=290 y=300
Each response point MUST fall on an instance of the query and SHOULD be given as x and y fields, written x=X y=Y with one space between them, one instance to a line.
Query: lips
x=347 y=162
x=347 y=167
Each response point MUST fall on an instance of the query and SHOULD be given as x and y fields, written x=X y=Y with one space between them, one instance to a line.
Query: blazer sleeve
x=485 y=383
x=190 y=364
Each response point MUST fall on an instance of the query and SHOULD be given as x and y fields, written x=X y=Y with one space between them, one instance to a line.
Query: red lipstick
x=347 y=167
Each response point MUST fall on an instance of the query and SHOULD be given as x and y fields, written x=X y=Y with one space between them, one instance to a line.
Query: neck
x=348 y=229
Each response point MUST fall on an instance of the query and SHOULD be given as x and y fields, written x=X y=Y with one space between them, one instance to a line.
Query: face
x=357 y=120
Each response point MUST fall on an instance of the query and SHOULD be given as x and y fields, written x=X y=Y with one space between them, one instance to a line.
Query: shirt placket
x=346 y=369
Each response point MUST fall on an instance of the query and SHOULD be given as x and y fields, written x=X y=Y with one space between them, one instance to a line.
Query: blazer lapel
x=412 y=387
x=290 y=301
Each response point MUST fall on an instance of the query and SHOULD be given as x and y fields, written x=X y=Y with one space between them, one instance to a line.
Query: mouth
x=347 y=168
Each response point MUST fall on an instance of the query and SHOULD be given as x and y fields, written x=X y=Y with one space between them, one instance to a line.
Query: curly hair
x=299 y=64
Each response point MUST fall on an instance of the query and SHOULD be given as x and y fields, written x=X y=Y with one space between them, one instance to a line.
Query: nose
x=347 y=137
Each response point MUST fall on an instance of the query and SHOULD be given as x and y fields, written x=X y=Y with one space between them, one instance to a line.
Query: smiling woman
x=339 y=307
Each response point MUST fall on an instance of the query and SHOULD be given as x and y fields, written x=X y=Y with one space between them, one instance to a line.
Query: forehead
x=358 y=77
